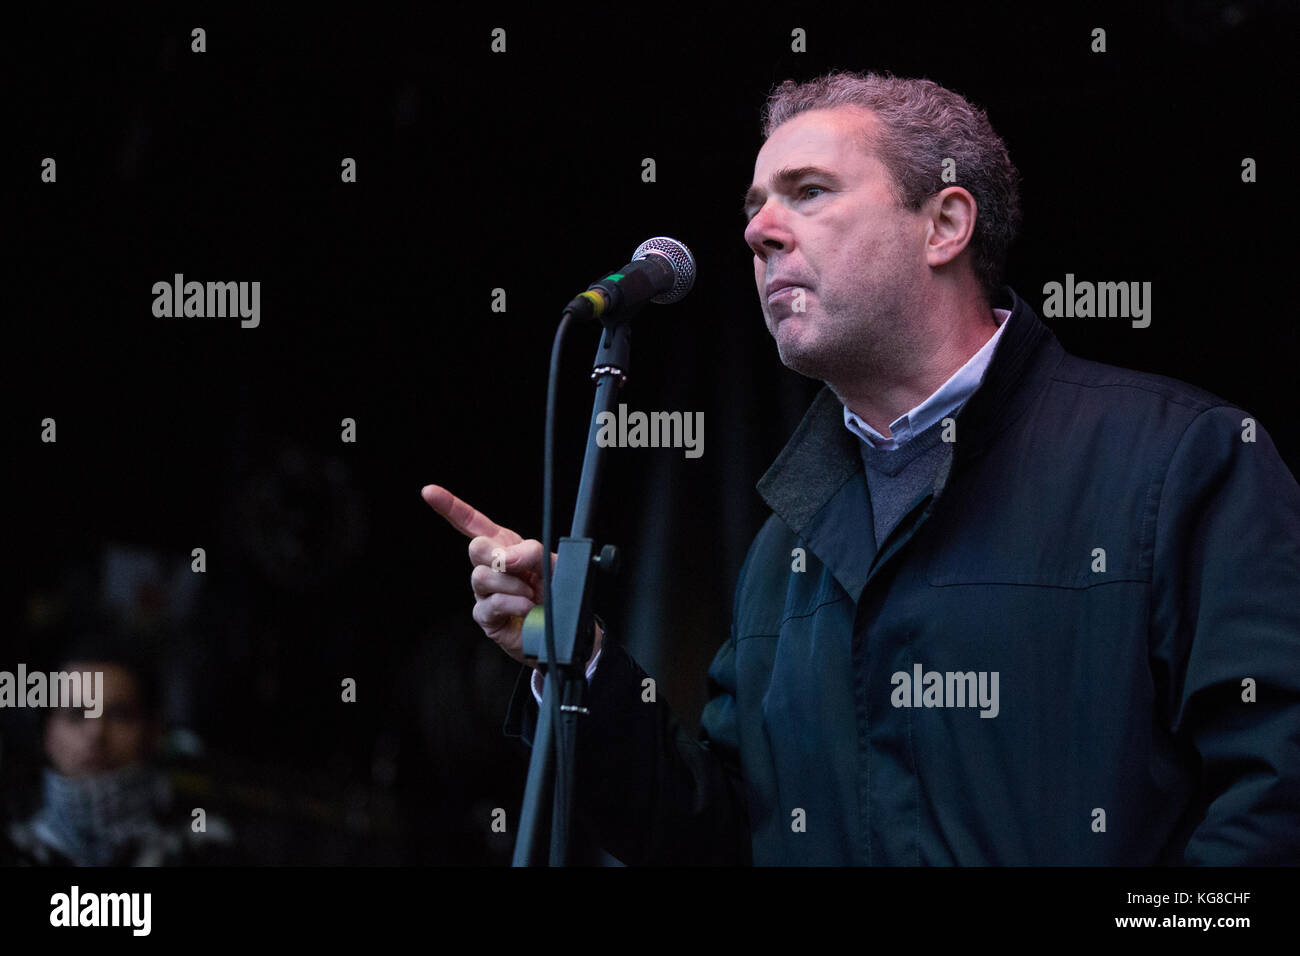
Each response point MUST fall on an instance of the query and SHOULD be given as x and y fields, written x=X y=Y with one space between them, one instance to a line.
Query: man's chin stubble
x=809 y=364
x=840 y=367
x=817 y=361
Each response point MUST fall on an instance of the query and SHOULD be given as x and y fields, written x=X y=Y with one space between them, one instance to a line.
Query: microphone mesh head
x=683 y=265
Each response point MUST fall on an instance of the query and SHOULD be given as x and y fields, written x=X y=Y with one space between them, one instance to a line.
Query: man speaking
x=1011 y=607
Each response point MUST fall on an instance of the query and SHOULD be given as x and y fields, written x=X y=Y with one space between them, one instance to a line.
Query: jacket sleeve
x=650 y=792
x=1226 y=630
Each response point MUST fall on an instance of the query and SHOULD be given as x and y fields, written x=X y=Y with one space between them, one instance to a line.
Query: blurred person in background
x=103 y=799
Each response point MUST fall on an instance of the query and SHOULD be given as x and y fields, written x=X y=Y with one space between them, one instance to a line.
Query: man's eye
x=806 y=189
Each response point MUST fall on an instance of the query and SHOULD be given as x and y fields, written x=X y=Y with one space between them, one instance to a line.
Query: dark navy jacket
x=1110 y=543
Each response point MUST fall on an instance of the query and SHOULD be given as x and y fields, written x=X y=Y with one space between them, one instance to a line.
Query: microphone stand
x=567 y=630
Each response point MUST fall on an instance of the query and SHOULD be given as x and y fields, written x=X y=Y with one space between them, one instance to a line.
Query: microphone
x=662 y=270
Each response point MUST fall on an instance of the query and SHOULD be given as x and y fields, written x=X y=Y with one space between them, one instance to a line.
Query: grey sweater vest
x=895 y=478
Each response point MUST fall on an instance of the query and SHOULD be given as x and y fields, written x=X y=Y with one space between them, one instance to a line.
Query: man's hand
x=507 y=575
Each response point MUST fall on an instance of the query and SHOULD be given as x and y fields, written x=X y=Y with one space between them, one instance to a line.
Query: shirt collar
x=948 y=397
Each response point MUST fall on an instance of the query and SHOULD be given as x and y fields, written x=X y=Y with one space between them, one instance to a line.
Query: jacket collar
x=823 y=456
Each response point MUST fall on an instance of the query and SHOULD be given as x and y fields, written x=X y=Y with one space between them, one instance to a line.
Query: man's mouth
x=776 y=286
x=787 y=290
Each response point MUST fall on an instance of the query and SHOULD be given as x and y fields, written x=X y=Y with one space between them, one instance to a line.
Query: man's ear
x=952 y=213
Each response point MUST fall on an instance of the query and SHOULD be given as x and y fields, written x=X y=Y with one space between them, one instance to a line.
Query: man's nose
x=767 y=232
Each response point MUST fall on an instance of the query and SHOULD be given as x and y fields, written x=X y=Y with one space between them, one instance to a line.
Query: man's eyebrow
x=784 y=178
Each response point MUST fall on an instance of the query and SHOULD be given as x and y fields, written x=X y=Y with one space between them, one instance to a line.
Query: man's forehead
x=815 y=137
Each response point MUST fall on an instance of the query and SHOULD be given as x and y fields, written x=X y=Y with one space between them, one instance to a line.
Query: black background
x=520 y=171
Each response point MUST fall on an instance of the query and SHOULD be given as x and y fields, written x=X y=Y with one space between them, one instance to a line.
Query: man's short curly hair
x=921 y=125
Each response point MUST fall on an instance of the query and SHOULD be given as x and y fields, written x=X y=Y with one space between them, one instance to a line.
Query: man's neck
x=956 y=339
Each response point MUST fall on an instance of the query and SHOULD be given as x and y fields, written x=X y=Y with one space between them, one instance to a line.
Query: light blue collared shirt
x=950 y=395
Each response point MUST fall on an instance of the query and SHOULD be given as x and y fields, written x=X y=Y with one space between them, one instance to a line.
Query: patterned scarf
x=93 y=820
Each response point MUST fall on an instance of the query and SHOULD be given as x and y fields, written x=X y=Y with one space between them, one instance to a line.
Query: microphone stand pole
x=548 y=791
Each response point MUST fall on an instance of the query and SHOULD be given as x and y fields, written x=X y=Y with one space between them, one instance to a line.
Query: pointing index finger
x=468 y=521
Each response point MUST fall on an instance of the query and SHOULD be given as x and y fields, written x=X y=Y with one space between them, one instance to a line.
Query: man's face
x=122 y=735
x=824 y=217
